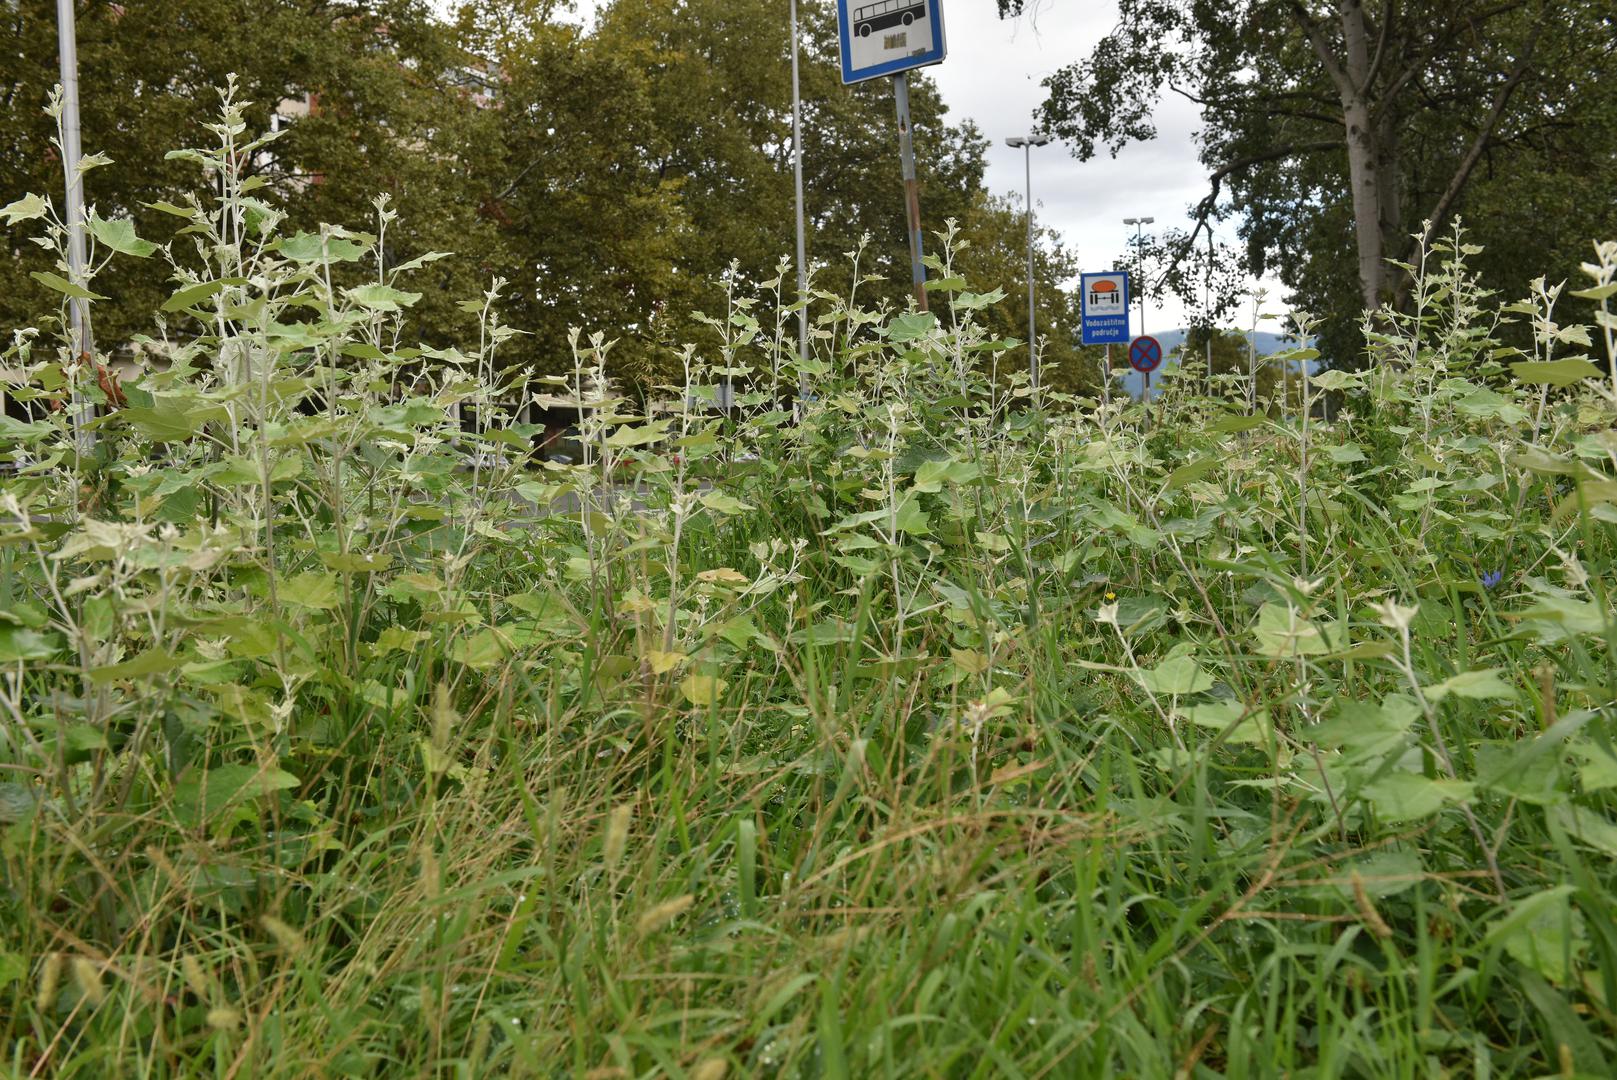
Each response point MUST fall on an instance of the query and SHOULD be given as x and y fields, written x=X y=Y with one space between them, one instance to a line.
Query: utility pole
x=1207 y=305
x=83 y=343
x=1026 y=143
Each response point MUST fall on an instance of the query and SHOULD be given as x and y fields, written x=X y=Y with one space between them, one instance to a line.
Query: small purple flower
x=1491 y=578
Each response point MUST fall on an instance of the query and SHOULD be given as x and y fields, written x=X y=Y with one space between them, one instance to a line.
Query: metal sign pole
x=802 y=259
x=912 y=191
x=1106 y=387
x=83 y=344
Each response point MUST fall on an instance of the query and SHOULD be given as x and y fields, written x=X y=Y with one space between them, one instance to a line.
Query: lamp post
x=1026 y=143
x=1139 y=224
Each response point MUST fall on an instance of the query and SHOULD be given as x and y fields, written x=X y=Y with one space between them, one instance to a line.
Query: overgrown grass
x=907 y=731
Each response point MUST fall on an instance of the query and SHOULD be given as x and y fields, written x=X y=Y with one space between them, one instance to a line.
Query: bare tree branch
x=1462 y=174
x=1322 y=49
x=1206 y=207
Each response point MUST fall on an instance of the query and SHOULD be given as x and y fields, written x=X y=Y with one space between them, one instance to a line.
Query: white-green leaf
x=311 y=590
x=24 y=209
x=1282 y=631
x=313 y=248
x=62 y=285
x=1336 y=380
x=626 y=437
x=1544 y=932
x=120 y=236
x=1175 y=675
x=720 y=503
x=382 y=297
x=1554 y=372
x=1187 y=474
x=1407 y=796
x=1480 y=685
x=1230 y=719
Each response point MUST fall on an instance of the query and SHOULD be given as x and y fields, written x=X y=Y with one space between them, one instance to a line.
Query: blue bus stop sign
x=1104 y=302
x=884 y=37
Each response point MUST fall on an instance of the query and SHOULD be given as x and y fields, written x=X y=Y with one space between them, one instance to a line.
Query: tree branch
x=1462 y=174
x=1322 y=49
x=1387 y=10
x=1205 y=208
x=1269 y=107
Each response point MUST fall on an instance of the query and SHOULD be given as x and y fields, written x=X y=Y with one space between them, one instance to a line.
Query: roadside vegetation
x=910 y=728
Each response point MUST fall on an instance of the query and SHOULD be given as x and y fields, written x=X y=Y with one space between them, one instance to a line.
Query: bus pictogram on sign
x=885 y=13
x=886 y=37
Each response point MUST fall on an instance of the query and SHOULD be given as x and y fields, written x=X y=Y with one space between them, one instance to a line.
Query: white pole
x=1139 y=247
x=1032 y=335
x=83 y=342
x=1207 y=305
x=802 y=258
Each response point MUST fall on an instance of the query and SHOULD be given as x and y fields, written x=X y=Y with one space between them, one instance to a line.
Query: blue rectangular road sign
x=884 y=37
x=1104 y=302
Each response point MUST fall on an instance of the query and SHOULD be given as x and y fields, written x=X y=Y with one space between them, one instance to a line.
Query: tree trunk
x=1364 y=181
x=1367 y=161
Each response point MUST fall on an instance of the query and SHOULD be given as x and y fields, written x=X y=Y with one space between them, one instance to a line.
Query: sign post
x=912 y=187
x=890 y=37
x=1145 y=356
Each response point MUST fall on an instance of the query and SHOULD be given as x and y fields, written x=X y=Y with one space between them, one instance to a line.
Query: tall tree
x=1333 y=124
x=392 y=112
x=718 y=72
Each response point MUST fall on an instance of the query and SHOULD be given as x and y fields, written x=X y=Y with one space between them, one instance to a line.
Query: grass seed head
x=224 y=1018
x=1367 y=910
x=664 y=913
x=87 y=977
x=617 y=834
x=50 y=979
x=290 y=941
x=195 y=977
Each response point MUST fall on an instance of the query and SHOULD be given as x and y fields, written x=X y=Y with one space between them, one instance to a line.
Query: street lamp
x=1139 y=224
x=1026 y=143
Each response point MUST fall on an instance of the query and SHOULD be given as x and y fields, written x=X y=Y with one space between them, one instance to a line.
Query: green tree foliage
x=391 y=110
x=589 y=229
x=611 y=174
x=719 y=76
x=994 y=232
x=1336 y=131
x=1241 y=373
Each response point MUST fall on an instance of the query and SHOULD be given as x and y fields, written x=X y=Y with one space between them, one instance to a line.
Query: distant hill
x=1133 y=381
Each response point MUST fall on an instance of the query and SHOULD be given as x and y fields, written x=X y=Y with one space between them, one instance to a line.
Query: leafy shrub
x=899 y=729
